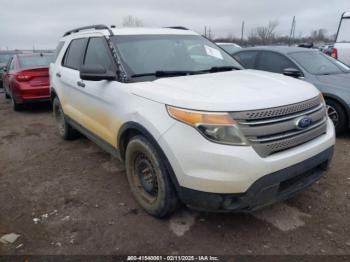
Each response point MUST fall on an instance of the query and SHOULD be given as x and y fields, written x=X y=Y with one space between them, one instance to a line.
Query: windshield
x=344 y=31
x=35 y=61
x=4 y=58
x=146 y=54
x=319 y=64
x=230 y=48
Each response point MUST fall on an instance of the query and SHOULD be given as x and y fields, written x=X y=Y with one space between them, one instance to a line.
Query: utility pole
x=205 y=31
x=292 y=31
x=242 y=35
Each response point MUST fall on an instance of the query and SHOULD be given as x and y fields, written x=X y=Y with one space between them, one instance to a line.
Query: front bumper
x=205 y=166
x=271 y=188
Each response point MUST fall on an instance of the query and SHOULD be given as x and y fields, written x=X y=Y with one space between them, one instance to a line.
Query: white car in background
x=341 y=50
x=229 y=47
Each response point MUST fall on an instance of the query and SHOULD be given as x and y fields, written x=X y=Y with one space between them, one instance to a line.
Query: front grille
x=274 y=130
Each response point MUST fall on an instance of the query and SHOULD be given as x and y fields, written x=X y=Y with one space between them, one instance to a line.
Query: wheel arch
x=131 y=129
x=341 y=102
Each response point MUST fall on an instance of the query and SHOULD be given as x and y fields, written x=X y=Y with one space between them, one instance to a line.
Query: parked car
x=4 y=58
x=190 y=127
x=330 y=76
x=229 y=47
x=341 y=50
x=26 y=79
x=327 y=49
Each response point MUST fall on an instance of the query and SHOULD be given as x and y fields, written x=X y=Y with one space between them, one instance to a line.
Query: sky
x=40 y=23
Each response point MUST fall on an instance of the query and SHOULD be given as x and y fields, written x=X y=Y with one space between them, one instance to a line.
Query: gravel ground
x=72 y=198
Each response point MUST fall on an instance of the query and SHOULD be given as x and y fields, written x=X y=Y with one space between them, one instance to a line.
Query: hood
x=227 y=91
x=338 y=80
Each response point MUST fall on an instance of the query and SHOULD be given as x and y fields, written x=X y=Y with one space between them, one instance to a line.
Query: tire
x=7 y=96
x=338 y=115
x=149 y=179
x=17 y=107
x=66 y=131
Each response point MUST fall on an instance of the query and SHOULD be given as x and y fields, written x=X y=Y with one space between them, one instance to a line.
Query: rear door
x=343 y=41
x=9 y=75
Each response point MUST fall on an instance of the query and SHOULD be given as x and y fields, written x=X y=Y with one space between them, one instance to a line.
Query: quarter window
x=97 y=53
x=74 y=53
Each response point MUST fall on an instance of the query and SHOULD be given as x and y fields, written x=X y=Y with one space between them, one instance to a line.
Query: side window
x=97 y=53
x=57 y=51
x=247 y=59
x=9 y=63
x=273 y=62
x=74 y=54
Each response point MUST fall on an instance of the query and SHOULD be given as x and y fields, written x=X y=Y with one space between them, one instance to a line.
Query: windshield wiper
x=215 y=69
x=166 y=73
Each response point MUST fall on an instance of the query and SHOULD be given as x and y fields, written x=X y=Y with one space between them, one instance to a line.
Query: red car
x=26 y=79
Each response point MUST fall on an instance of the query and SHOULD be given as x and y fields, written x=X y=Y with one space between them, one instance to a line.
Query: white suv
x=341 y=50
x=191 y=126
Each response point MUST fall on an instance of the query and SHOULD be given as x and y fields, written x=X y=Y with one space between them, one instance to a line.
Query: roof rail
x=177 y=27
x=97 y=27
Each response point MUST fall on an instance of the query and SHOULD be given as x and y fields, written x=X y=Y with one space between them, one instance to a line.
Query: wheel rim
x=333 y=115
x=145 y=178
x=59 y=119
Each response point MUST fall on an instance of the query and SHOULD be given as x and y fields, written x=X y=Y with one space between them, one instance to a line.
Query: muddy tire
x=338 y=115
x=149 y=179
x=66 y=131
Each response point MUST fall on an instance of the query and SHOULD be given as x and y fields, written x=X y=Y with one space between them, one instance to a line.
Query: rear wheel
x=66 y=131
x=15 y=105
x=338 y=115
x=149 y=178
x=7 y=96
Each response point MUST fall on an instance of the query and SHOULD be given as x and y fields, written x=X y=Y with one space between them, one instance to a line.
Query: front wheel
x=149 y=178
x=338 y=115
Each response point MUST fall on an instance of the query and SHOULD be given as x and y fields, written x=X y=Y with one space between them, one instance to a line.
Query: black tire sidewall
x=164 y=204
x=342 y=124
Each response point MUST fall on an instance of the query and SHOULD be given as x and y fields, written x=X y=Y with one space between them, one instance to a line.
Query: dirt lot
x=72 y=198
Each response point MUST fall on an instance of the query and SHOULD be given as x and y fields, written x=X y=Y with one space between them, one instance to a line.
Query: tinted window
x=273 y=62
x=35 y=61
x=74 y=53
x=344 y=31
x=98 y=53
x=57 y=51
x=318 y=63
x=247 y=59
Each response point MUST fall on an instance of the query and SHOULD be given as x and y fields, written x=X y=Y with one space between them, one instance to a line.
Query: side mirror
x=96 y=73
x=293 y=72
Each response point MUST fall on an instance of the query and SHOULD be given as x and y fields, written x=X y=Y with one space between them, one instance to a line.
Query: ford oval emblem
x=303 y=122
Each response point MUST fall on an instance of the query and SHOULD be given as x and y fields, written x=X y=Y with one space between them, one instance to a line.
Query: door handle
x=58 y=75
x=81 y=84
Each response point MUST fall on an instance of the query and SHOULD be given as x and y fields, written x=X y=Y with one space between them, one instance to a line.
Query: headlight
x=217 y=127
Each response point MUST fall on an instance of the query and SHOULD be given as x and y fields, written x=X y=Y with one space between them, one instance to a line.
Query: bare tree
x=132 y=21
x=264 y=34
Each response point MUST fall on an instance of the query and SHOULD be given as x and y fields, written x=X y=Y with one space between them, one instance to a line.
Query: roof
x=136 y=31
x=279 y=49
